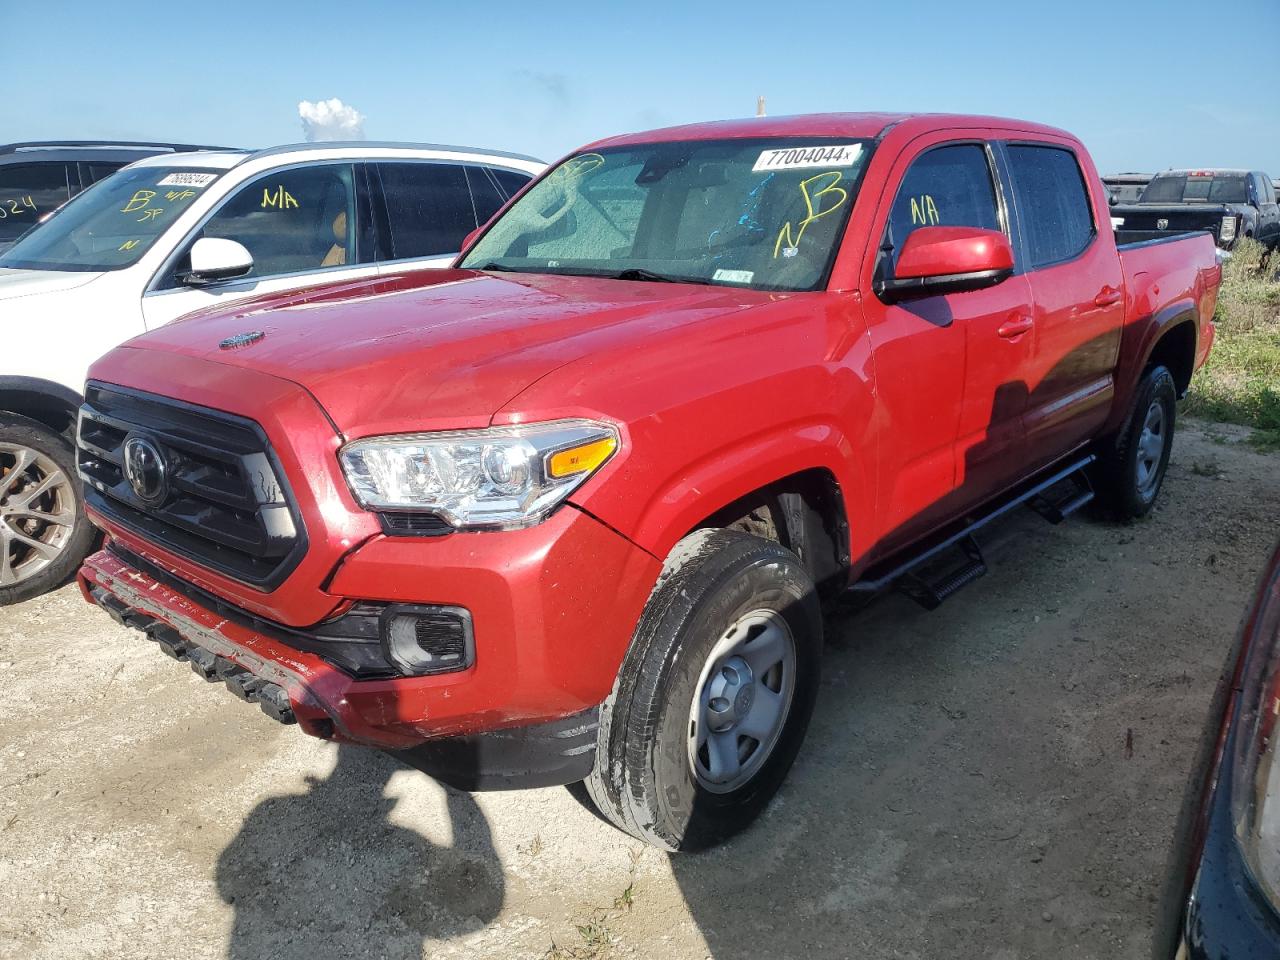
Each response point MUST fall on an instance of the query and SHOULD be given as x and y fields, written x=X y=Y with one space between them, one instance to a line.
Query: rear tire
x=1132 y=469
x=714 y=696
x=44 y=534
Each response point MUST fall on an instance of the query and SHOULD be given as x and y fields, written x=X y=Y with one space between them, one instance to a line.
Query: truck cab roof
x=861 y=125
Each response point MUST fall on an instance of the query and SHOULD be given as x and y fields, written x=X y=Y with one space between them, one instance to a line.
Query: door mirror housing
x=214 y=259
x=470 y=238
x=937 y=260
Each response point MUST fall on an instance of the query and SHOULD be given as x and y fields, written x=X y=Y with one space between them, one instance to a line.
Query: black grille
x=226 y=506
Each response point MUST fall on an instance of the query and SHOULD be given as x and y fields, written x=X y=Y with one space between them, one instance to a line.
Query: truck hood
x=437 y=349
x=26 y=283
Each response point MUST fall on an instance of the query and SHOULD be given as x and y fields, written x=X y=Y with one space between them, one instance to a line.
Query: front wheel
x=1132 y=469
x=44 y=534
x=714 y=697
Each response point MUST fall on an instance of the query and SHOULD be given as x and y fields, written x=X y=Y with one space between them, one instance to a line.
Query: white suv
x=171 y=234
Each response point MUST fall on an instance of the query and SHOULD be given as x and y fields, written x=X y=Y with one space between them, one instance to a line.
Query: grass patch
x=1240 y=383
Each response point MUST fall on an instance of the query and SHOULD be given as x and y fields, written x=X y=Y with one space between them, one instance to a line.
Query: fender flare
x=1135 y=360
x=729 y=474
x=47 y=395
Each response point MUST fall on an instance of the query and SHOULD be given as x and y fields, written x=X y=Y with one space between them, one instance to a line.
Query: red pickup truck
x=570 y=510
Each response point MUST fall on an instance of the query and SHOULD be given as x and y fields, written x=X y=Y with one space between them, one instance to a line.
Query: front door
x=303 y=225
x=950 y=369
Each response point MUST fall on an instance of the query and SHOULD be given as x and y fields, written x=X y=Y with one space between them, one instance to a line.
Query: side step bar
x=906 y=574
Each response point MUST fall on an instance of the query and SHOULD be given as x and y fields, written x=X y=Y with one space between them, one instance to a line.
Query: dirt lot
x=998 y=778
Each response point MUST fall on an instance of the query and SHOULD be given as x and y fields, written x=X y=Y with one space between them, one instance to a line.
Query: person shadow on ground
x=326 y=874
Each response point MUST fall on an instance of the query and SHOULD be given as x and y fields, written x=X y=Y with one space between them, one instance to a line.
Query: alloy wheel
x=37 y=512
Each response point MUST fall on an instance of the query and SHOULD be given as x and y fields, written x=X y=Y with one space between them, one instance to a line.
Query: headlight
x=498 y=478
x=1227 y=231
x=1255 y=787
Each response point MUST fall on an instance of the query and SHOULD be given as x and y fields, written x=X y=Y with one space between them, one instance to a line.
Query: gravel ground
x=998 y=778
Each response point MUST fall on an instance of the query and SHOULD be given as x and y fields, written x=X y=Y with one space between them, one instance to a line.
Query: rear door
x=426 y=211
x=1078 y=288
x=950 y=369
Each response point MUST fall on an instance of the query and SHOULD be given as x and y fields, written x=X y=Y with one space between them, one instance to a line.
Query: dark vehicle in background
x=1126 y=187
x=1230 y=204
x=36 y=178
x=1222 y=898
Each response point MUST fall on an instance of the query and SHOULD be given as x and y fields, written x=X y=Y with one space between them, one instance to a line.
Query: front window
x=112 y=224
x=1181 y=188
x=761 y=213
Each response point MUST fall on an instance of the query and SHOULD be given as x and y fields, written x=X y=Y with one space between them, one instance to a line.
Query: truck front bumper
x=551 y=627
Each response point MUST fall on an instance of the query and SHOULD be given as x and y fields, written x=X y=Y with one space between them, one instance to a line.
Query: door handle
x=1015 y=326
x=1108 y=297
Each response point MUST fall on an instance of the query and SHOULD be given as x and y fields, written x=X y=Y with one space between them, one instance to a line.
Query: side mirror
x=214 y=259
x=470 y=238
x=937 y=260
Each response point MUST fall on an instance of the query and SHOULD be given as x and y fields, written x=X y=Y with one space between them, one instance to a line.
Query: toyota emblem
x=1162 y=224
x=145 y=469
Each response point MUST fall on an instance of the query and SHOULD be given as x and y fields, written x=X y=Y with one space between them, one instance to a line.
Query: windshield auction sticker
x=804 y=158
x=188 y=180
x=734 y=276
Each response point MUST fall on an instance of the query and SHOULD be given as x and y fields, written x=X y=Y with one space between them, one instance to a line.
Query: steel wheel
x=1150 y=448
x=743 y=697
x=37 y=512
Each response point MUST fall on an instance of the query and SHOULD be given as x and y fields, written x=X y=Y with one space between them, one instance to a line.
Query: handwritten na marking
x=814 y=207
x=923 y=211
x=282 y=199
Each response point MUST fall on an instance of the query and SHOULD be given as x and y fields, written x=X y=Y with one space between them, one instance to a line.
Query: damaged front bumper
x=299 y=687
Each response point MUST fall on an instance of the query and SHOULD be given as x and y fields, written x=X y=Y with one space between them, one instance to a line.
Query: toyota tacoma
x=571 y=510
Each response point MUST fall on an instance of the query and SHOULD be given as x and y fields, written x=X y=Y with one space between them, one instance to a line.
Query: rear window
x=1180 y=188
x=1053 y=204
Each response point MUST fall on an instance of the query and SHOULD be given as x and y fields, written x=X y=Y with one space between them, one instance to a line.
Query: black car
x=1223 y=897
x=36 y=178
x=1229 y=203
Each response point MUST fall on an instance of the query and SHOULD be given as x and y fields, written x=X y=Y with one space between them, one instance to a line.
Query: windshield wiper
x=494 y=267
x=639 y=273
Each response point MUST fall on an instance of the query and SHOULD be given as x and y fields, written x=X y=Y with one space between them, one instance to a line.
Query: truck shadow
x=312 y=875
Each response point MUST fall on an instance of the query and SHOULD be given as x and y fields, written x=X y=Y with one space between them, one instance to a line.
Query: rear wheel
x=44 y=534
x=1132 y=470
x=714 y=697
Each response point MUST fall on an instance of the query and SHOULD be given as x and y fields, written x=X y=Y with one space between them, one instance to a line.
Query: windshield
x=760 y=213
x=1179 y=188
x=113 y=223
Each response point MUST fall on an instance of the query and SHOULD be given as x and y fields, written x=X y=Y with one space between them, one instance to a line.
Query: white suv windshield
x=111 y=224
x=761 y=213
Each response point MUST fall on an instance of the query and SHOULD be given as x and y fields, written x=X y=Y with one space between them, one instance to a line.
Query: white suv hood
x=26 y=283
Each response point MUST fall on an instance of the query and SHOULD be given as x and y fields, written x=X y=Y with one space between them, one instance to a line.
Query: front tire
x=714 y=696
x=1132 y=471
x=44 y=534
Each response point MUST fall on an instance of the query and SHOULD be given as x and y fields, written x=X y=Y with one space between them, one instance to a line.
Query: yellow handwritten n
x=814 y=208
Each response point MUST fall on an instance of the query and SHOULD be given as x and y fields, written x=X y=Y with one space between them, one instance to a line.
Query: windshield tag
x=188 y=180
x=803 y=158
x=734 y=276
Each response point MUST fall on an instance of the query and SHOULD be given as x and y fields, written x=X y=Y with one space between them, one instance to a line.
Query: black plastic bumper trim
x=539 y=755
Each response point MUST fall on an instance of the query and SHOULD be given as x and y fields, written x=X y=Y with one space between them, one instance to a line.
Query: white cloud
x=330 y=120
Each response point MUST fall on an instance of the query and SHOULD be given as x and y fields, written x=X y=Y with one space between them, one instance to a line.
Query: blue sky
x=1145 y=84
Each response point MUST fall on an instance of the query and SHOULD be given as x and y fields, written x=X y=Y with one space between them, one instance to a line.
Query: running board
x=907 y=575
